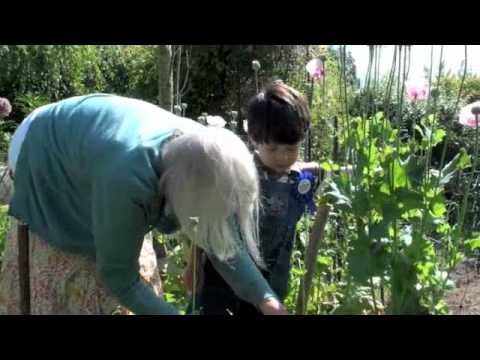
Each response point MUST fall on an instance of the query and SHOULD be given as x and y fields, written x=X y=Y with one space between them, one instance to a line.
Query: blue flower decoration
x=303 y=189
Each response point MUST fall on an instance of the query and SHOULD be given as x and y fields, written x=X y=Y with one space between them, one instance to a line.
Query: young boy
x=278 y=119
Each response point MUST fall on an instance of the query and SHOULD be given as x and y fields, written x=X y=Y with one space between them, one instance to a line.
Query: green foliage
x=3 y=229
x=26 y=103
x=396 y=202
x=326 y=97
x=127 y=70
x=392 y=236
x=172 y=283
x=222 y=77
x=33 y=75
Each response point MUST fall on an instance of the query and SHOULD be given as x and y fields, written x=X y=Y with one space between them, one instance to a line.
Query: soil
x=465 y=298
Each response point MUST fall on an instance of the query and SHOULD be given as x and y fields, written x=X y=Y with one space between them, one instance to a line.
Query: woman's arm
x=246 y=280
x=119 y=227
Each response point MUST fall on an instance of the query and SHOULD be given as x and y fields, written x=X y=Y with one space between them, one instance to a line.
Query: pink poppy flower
x=416 y=91
x=467 y=114
x=316 y=69
x=5 y=107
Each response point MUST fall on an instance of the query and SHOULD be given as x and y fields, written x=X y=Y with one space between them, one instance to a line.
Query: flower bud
x=256 y=65
x=177 y=109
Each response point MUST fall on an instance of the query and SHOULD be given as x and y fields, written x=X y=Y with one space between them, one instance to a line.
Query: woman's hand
x=272 y=306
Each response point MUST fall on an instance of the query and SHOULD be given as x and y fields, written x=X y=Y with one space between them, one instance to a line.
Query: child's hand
x=272 y=306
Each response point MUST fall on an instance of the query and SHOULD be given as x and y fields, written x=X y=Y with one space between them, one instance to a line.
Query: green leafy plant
x=395 y=203
x=3 y=229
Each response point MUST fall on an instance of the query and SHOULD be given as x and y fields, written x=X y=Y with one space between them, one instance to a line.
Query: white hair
x=210 y=176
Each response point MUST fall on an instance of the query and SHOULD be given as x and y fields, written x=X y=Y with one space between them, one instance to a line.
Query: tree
x=165 y=83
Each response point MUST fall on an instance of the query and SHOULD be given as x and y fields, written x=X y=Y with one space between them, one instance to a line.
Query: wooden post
x=316 y=236
x=24 y=267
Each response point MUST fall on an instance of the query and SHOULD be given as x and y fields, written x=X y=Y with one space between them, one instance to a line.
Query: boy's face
x=278 y=157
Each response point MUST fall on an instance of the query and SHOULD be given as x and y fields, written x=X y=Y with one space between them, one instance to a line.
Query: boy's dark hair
x=279 y=114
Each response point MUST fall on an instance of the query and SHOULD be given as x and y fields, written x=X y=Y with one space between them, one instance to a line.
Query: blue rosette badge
x=303 y=189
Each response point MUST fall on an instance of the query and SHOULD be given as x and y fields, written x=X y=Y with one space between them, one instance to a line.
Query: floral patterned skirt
x=62 y=283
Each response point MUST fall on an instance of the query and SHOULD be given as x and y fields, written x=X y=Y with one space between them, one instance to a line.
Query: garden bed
x=465 y=298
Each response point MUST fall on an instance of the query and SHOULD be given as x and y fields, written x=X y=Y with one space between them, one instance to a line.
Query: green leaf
x=360 y=204
x=385 y=188
x=334 y=195
x=169 y=298
x=388 y=150
x=403 y=150
x=459 y=162
x=465 y=160
x=324 y=260
x=367 y=258
x=329 y=166
x=399 y=175
x=420 y=130
x=411 y=199
x=443 y=228
x=439 y=209
x=438 y=136
x=473 y=243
